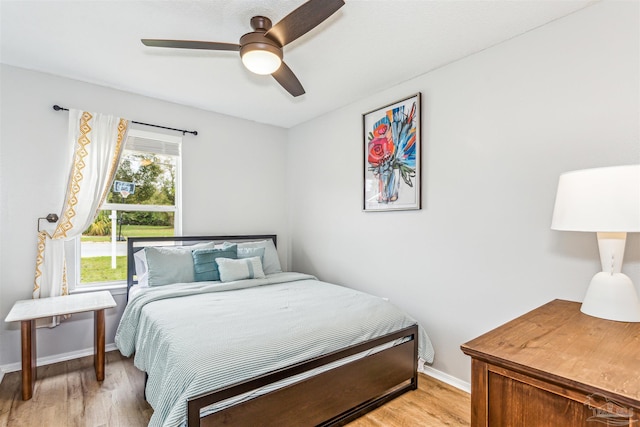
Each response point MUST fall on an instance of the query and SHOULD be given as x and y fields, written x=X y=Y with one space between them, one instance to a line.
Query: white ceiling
x=367 y=46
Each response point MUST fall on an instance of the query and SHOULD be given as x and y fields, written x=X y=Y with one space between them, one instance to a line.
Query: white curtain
x=98 y=140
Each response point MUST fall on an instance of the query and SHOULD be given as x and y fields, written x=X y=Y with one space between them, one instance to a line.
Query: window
x=144 y=201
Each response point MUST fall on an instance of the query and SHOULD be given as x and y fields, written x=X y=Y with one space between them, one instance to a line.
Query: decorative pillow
x=204 y=262
x=238 y=269
x=171 y=264
x=271 y=262
x=251 y=252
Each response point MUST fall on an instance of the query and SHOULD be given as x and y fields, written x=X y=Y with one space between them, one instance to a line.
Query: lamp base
x=612 y=296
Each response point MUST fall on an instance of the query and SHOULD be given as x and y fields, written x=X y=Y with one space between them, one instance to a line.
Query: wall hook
x=51 y=218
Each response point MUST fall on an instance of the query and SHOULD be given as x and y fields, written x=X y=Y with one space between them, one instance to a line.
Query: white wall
x=498 y=129
x=232 y=166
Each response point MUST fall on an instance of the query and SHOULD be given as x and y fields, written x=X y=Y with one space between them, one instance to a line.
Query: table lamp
x=606 y=201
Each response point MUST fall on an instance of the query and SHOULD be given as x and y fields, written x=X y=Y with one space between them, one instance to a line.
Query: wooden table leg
x=28 y=334
x=98 y=350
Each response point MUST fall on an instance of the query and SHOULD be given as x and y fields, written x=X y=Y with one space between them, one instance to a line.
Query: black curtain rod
x=194 y=132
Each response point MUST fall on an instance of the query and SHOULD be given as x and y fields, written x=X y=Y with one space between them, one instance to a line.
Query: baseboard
x=48 y=360
x=446 y=378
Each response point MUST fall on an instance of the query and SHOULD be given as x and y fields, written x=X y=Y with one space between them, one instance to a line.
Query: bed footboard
x=332 y=398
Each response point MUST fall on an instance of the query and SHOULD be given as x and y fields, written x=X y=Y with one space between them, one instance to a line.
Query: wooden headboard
x=135 y=244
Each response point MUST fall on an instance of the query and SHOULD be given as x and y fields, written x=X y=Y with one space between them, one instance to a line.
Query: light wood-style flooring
x=67 y=394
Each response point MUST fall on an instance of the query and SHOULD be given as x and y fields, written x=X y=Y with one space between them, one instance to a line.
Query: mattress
x=196 y=337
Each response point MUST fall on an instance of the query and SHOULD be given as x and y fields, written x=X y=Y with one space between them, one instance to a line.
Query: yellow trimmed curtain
x=98 y=140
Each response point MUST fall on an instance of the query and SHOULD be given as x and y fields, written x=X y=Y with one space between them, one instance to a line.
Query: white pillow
x=239 y=269
x=142 y=270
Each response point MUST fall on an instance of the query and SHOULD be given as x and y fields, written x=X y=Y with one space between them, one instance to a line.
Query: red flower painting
x=392 y=152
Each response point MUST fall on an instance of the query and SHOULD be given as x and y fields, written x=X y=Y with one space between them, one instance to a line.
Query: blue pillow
x=270 y=260
x=169 y=265
x=251 y=252
x=204 y=262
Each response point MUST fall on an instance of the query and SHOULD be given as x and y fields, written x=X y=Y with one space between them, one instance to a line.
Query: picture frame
x=391 y=137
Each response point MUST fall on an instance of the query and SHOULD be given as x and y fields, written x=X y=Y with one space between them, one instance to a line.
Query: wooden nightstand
x=27 y=311
x=556 y=366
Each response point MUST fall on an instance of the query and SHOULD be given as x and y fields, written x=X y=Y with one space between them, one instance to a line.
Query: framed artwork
x=391 y=152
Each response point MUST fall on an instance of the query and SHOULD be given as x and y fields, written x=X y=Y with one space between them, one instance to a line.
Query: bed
x=255 y=345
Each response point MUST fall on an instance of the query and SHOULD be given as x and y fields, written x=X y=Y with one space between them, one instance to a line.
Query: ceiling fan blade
x=191 y=44
x=288 y=80
x=303 y=19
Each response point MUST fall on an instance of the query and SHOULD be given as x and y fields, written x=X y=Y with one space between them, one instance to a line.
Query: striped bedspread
x=196 y=337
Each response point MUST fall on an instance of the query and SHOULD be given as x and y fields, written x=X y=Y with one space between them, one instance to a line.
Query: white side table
x=27 y=311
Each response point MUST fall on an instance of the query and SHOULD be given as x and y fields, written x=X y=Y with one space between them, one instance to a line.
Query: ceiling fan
x=261 y=50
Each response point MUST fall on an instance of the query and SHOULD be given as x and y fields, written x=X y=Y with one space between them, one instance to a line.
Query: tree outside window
x=149 y=210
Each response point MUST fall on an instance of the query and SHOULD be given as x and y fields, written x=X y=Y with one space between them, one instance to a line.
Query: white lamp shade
x=261 y=61
x=607 y=201
x=602 y=199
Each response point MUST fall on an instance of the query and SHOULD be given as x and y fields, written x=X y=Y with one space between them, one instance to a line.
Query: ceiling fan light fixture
x=261 y=50
x=261 y=61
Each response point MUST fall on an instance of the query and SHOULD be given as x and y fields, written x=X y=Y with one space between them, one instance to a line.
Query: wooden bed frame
x=331 y=398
